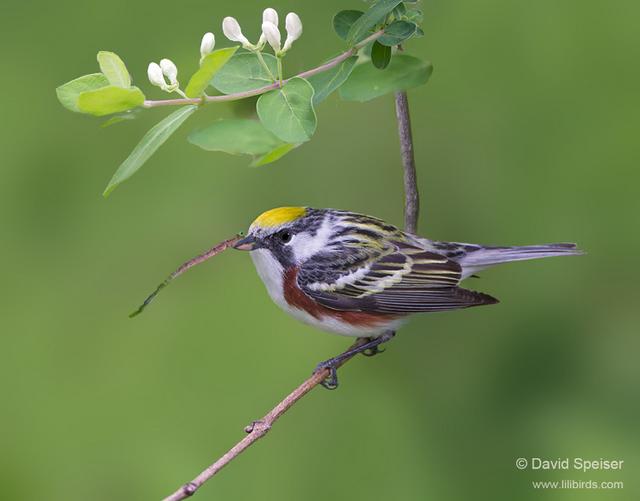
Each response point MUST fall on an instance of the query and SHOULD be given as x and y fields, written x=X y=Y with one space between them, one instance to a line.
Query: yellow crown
x=279 y=216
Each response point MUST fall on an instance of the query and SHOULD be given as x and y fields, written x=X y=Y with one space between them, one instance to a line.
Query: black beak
x=246 y=244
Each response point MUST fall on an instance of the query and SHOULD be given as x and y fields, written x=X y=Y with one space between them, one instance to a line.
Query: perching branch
x=255 y=431
x=411 y=195
x=260 y=428
x=275 y=85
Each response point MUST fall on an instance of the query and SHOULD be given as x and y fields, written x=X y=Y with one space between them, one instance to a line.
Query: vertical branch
x=411 y=195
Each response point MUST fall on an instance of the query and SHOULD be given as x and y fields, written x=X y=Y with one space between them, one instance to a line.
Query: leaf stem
x=256 y=92
x=279 y=58
x=264 y=64
x=178 y=91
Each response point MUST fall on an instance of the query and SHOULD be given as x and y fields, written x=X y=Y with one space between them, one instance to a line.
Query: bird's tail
x=476 y=257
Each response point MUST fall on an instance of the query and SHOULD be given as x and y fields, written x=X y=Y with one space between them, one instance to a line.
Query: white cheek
x=305 y=245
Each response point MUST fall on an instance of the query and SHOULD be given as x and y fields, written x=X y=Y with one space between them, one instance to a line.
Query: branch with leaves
x=370 y=67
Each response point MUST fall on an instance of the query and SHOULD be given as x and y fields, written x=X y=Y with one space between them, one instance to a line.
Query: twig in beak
x=184 y=267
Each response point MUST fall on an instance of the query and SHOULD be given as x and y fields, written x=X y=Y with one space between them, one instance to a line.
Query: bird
x=356 y=275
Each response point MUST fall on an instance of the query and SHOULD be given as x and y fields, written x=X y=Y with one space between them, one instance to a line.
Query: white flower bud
x=154 y=72
x=272 y=35
x=170 y=70
x=293 y=25
x=231 y=29
x=207 y=44
x=270 y=16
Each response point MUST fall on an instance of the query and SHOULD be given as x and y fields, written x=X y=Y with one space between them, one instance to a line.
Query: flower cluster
x=270 y=32
x=159 y=73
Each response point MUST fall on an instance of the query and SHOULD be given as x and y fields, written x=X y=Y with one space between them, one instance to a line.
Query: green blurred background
x=526 y=133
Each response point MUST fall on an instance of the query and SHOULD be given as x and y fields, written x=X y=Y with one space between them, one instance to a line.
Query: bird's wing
x=402 y=279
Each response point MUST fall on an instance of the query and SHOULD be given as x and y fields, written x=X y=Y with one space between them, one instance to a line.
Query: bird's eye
x=284 y=236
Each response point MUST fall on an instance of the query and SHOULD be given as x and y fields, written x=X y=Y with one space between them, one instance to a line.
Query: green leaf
x=273 y=155
x=210 y=65
x=288 y=112
x=343 y=21
x=122 y=117
x=399 y=11
x=148 y=145
x=114 y=69
x=370 y=19
x=68 y=93
x=109 y=99
x=397 y=32
x=380 y=55
x=244 y=72
x=414 y=16
x=241 y=136
x=404 y=72
x=235 y=136
x=328 y=81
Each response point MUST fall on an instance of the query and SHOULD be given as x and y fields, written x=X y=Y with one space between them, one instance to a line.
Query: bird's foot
x=331 y=381
x=369 y=348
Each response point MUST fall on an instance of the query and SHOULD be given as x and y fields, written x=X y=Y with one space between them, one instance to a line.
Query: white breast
x=272 y=274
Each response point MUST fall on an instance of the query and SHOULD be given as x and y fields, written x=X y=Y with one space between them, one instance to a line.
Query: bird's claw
x=370 y=352
x=331 y=381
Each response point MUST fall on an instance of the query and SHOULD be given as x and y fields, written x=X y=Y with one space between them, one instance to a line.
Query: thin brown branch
x=256 y=431
x=411 y=195
x=217 y=249
x=256 y=92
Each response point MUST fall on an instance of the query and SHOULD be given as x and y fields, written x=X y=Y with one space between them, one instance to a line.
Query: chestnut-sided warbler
x=356 y=275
